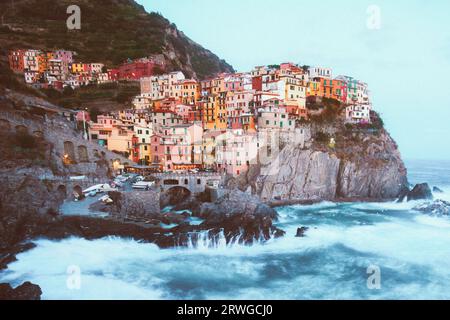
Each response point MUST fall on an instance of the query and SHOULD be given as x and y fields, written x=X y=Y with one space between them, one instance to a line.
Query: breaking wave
x=331 y=262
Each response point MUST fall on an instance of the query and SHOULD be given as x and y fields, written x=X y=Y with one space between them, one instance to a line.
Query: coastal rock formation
x=34 y=179
x=420 y=192
x=240 y=215
x=437 y=190
x=301 y=232
x=360 y=166
x=438 y=207
x=135 y=204
x=26 y=291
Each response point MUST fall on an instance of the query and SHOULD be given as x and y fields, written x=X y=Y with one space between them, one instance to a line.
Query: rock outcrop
x=301 y=232
x=26 y=291
x=437 y=190
x=438 y=208
x=240 y=215
x=420 y=192
x=365 y=166
x=135 y=204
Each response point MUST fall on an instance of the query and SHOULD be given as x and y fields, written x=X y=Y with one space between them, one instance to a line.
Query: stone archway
x=21 y=129
x=177 y=194
x=4 y=125
x=69 y=152
x=83 y=155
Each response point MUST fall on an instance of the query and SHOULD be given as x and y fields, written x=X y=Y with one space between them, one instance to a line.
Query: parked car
x=99 y=188
x=143 y=185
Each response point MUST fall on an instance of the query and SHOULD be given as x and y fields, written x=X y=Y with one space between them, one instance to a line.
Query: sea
x=350 y=251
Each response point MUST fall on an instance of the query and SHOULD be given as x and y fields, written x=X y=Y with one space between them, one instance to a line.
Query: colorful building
x=16 y=60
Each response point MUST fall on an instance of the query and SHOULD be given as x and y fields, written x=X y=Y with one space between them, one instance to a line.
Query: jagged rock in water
x=240 y=214
x=438 y=207
x=301 y=232
x=26 y=291
x=437 y=190
x=420 y=192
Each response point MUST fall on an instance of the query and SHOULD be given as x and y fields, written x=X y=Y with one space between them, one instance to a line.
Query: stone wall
x=72 y=154
x=132 y=205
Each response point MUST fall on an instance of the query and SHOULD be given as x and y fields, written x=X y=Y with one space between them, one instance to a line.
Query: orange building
x=214 y=113
x=16 y=60
x=314 y=89
x=295 y=110
x=42 y=62
x=340 y=90
x=321 y=87
x=248 y=122
x=190 y=92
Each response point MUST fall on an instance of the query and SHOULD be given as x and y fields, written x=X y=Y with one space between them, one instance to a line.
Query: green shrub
x=322 y=137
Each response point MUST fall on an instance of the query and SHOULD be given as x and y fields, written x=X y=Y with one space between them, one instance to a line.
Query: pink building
x=66 y=58
x=237 y=104
x=235 y=152
x=83 y=116
x=157 y=150
x=234 y=83
x=184 y=112
x=179 y=148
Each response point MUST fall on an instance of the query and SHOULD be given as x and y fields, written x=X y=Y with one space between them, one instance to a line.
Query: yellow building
x=42 y=62
x=145 y=153
x=214 y=112
x=190 y=92
x=314 y=89
x=78 y=68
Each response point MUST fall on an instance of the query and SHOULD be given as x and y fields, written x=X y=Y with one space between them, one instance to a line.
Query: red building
x=257 y=83
x=16 y=60
x=195 y=114
x=113 y=74
x=137 y=69
x=135 y=149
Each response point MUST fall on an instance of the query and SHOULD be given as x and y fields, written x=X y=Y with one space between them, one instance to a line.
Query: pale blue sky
x=406 y=62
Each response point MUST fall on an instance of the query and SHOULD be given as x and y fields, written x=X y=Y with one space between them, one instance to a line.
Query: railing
x=188 y=174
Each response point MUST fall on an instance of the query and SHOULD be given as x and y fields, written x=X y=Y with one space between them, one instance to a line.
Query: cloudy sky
x=401 y=48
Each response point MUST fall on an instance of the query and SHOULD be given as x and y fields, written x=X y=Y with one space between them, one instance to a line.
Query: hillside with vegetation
x=111 y=32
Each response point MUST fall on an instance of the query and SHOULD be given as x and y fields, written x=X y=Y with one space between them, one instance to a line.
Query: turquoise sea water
x=410 y=249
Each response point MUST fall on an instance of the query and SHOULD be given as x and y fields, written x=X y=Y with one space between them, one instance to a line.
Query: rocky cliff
x=35 y=176
x=361 y=164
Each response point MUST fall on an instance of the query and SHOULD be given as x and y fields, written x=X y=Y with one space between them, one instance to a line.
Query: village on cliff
x=179 y=124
